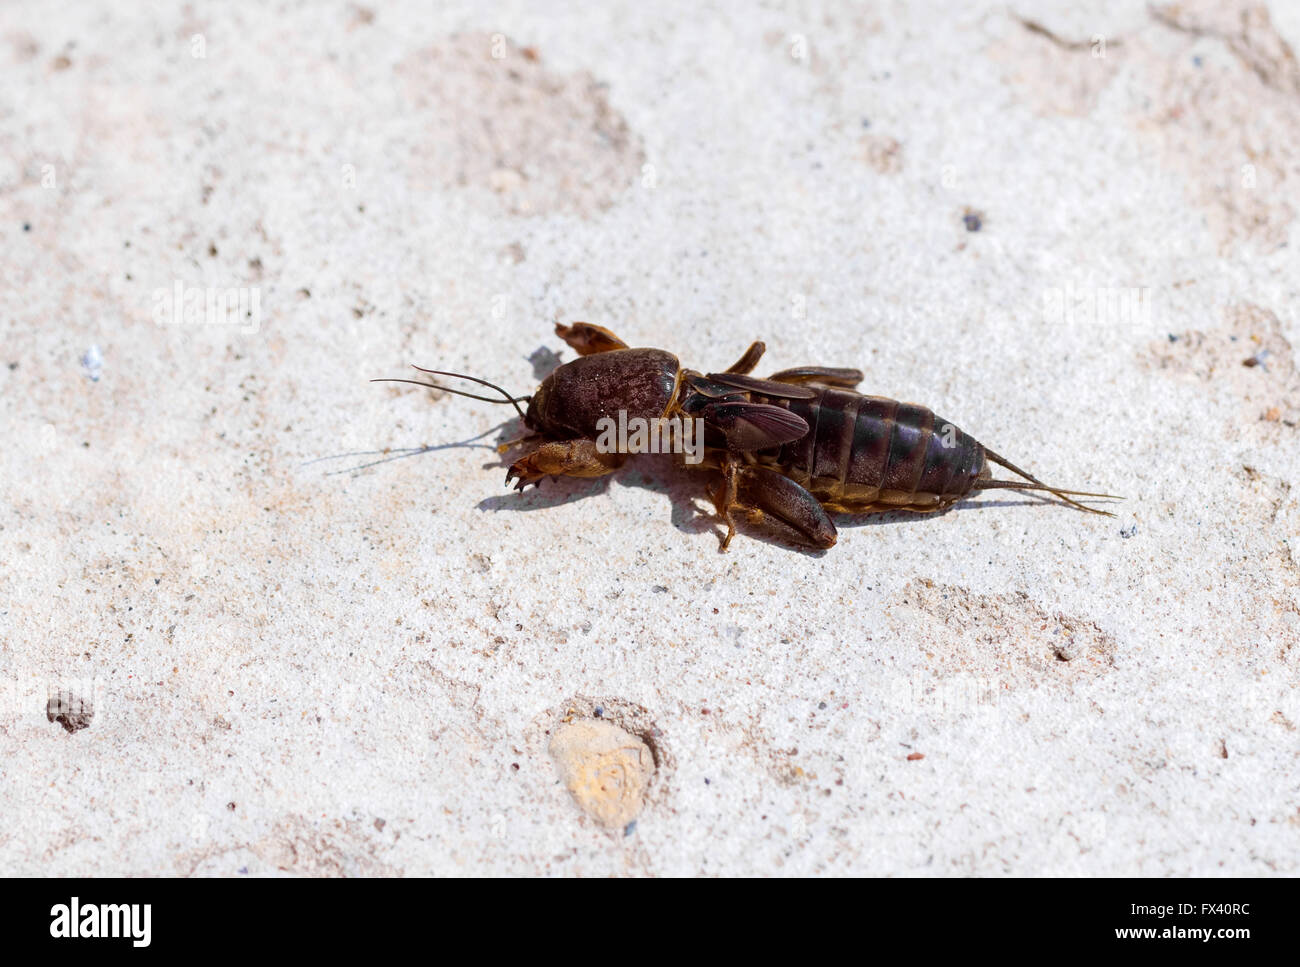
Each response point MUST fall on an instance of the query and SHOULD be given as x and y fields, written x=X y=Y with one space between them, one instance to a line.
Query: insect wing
x=765 y=387
x=753 y=426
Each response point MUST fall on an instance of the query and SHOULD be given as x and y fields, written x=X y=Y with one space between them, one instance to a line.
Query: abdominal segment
x=867 y=453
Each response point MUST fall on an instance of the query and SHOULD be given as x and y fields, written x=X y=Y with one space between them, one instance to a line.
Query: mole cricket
x=798 y=446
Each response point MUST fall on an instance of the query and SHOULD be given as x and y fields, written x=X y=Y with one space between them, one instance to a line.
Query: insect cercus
x=797 y=446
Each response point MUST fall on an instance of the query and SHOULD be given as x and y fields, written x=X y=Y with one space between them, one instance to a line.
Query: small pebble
x=93 y=363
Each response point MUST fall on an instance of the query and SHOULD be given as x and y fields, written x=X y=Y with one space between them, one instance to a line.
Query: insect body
x=797 y=446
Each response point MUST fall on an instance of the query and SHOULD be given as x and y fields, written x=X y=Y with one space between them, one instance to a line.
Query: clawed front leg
x=563 y=458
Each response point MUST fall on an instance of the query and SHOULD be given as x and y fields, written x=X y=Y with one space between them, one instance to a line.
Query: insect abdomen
x=868 y=452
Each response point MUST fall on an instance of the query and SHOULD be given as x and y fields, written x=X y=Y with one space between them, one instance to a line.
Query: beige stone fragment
x=605 y=768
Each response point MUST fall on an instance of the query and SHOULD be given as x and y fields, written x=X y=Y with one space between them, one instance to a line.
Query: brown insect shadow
x=690 y=508
x=772 y=531
x=691 y=511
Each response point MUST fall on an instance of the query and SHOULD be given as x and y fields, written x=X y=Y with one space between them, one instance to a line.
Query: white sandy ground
x=297 y=666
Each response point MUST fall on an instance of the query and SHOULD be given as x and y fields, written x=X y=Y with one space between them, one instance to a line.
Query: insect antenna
x=1036 y=484
x=507 y=398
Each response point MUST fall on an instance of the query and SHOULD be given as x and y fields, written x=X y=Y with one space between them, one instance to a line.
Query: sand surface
x=249 y=625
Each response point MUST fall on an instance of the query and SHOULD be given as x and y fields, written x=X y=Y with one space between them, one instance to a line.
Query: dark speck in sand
x=1256 y=360
x=630 y=828
x=973 y=221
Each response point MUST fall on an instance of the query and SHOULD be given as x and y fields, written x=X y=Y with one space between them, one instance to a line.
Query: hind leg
x=587 y=338
x=762 y=492
x=771 y=493
x=747 y=362
x=847 y=378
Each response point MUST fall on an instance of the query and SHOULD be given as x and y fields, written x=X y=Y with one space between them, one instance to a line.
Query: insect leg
x=789 y=503
x=725 y=498
x=819 y=374
x=587 y=338
x=747 y=362
x=569 y=458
